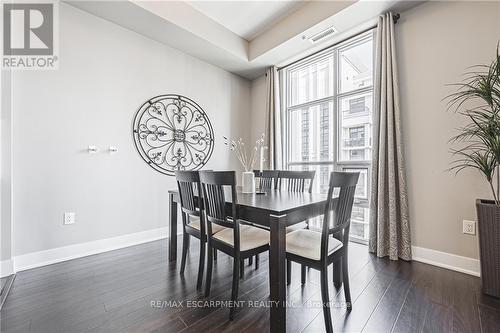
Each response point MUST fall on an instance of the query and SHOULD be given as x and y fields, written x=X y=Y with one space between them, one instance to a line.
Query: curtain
x=273 y=120
x=389 y=220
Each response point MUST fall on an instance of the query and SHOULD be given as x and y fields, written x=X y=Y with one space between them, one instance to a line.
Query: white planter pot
x=248 y=182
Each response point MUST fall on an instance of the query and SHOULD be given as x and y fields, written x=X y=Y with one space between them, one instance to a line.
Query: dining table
x=275 y=210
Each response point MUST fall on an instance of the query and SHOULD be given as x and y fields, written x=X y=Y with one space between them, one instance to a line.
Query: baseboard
x=446 y=260
x=42 y=258
x=52 y=256
x=6 y=268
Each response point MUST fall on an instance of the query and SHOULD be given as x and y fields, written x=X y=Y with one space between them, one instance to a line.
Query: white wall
x=105 y=74
x=436 y=42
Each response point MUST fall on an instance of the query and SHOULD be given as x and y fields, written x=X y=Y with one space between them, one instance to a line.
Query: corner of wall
x=258 y=107
x=6 y=266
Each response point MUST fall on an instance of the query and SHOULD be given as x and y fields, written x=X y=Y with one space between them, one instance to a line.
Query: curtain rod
x=395 y=18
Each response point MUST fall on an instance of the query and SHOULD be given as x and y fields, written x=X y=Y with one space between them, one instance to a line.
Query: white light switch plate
x=469 y=227
x=69 y=218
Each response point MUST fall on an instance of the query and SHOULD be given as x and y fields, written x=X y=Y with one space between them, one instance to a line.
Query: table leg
x=277 y=257
x=172 y=230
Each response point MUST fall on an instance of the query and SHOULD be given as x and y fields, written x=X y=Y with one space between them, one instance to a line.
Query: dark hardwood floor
x=127 y=291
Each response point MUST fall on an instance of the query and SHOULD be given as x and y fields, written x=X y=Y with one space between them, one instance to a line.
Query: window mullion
x=310 y=103
x=335 y=118
x=355 y=92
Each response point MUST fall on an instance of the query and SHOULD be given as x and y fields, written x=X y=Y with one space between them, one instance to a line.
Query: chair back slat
x=338 y=210
x=213 y=184
x=268 y=179
x=215 y=207
x=186 y=192
x=188 y=183
x=295 y=181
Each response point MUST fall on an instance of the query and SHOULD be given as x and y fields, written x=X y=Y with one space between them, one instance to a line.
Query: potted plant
x=477 y=146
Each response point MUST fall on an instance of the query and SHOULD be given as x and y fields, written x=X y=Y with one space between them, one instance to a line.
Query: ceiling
x=244 y=37
x=247 y=19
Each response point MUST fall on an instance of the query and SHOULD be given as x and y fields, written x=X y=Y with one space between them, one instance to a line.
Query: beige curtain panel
x=273 y=120
x=389 y=219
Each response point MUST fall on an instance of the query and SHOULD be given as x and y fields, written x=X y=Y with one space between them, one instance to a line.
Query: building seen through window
x=328 y=117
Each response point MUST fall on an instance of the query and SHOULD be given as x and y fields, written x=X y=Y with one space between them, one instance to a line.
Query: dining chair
x=320 y=249
x=268 y=179
x=193 y=221
x=237 y=240
x=296 y=181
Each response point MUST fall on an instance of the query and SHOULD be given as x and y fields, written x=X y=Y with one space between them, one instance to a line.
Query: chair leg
x=250 y=261
x=185 y=246
x=303 y=274
x=269 y=272
x=201 y=265
x=326 y=300
x=215 y=254
x=210 y=264
x=345 y=278
x=257 y=261
x=234 y=293
x=288 y=272
x=337 y=274
x=242 y=268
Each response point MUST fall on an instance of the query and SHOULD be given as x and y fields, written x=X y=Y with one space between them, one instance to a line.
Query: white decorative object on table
x=248 y=182
x=247 y=177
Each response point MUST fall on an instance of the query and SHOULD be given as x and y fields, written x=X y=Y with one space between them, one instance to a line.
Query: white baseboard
x=446 y=260
x=42 y=258
x=6 y=268
x=52 y=256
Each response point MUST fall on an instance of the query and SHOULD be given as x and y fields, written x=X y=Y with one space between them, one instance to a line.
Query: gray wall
x=258 y=107
x=436 y=42
x=105 y=74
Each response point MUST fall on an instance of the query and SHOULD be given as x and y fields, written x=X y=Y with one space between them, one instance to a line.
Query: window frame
x=336 y=163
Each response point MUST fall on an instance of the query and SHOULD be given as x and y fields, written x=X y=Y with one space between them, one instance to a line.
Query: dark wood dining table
x=274 y=209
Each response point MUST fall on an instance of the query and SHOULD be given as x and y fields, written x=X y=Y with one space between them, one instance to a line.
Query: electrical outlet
x=69 y=218
x=469 y=227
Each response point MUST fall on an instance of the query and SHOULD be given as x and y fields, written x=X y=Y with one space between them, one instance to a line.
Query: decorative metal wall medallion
x=172 y=132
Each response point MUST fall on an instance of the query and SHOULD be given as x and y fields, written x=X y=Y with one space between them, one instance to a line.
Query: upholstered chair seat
x=307 y=244
x=250 y=237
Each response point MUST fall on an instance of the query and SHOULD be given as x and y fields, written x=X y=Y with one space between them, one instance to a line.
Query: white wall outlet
x=469 y=227
x=69 y=218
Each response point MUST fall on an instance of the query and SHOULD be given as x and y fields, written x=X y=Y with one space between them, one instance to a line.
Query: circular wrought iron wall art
x=172 y=132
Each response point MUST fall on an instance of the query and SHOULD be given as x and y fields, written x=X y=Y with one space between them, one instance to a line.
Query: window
x=356 y=137
x=327 y=115
x=357 y=105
